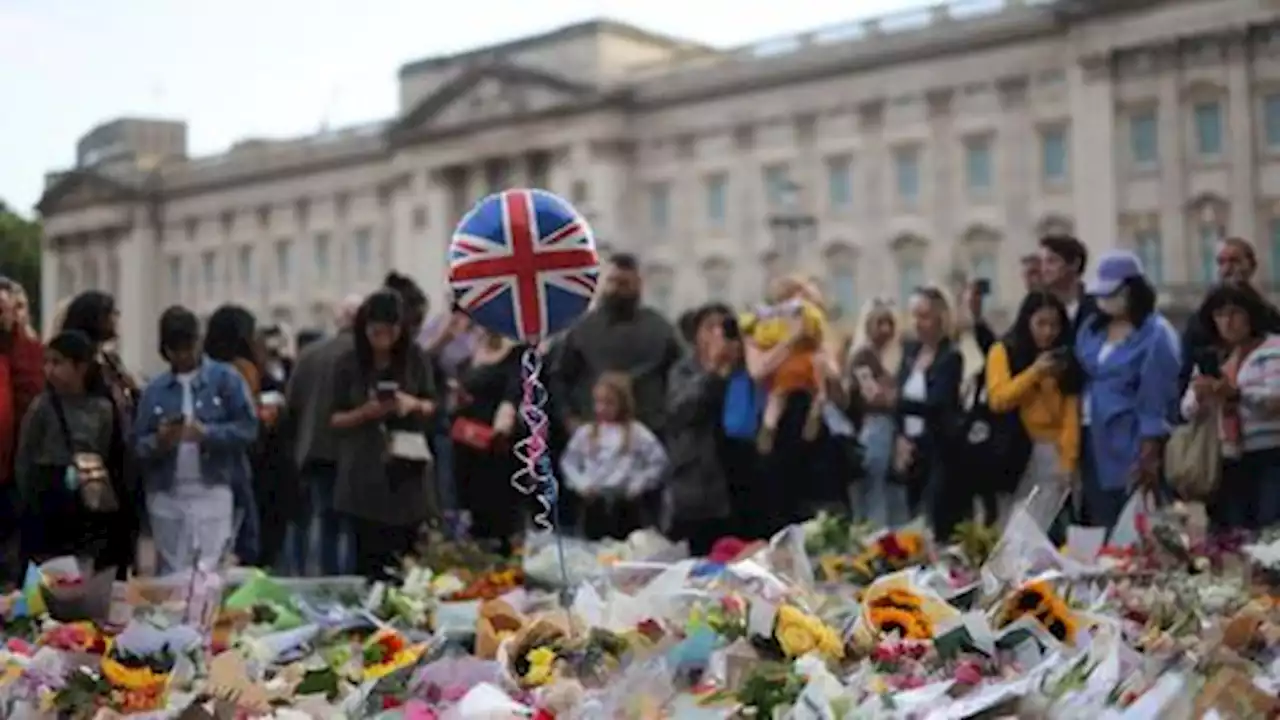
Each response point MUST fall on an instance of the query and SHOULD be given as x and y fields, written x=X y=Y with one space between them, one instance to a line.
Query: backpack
x=994 y=445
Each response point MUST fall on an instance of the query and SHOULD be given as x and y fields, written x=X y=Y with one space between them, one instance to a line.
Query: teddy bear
x=792 y=302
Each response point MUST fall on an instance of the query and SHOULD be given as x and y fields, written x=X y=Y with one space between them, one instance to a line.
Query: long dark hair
x=229 y=335
x=1019 y=341
x=89 y=313
x=383 y=306
x=1242 y=296
x=1141 y=303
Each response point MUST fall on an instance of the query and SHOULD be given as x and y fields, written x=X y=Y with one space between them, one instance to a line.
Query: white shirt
x=188 y=462
x=915 y=388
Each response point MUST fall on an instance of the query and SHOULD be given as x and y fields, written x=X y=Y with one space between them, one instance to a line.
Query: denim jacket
x=221 y=405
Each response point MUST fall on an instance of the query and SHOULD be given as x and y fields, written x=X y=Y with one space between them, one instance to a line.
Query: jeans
x=323 y=535
x=877 y=499
x=1101 y=506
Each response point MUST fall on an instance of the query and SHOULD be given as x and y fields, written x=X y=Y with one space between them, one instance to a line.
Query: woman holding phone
x=1027 y=374
x=383 y=402
x=1239 y=380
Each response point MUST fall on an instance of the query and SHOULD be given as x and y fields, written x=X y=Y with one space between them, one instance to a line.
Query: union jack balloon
x=523 y=263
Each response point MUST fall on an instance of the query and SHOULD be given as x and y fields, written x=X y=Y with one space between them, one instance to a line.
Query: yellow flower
x=798 y=634
x=131 y=678
x=541 y=662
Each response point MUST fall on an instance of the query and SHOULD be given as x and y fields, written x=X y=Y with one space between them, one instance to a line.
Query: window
x=1271 y=119
x=66 y=280
x=910 y=277
x=1143 y=137
x=906 y=170
x=776 y=183
x=1151 y=253
x=717 y=189
x=209 y=272
x=1208 y=121
x=844 y=291
x=284 y=263
x=718 y=285
x=1210 y=236
x=364 y=252
x=1053 y=154
x=175 y=278
x=659 y=206
x=244 y=265
x=322 y=249
x=419 y=217
x=840 y=182
x=659 y=290
x=977 y=165
x=984 y=266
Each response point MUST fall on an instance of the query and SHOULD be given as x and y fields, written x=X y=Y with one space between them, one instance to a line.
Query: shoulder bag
x=87 y=474
x=1193 y=458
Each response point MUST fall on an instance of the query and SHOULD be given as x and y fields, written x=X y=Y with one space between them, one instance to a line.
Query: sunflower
x=899 y=599
x=131 y=678
x=1040 y=601
x=907 y=624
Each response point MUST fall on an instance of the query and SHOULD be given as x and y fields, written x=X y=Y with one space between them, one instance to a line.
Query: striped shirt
x=1259 y=384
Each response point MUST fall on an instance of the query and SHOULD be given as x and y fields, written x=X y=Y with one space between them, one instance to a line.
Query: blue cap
x=1114 y=267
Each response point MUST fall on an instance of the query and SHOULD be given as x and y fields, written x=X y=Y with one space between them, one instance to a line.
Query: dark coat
x=696 y=486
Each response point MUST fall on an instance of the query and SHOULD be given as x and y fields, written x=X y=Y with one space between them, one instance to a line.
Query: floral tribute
x=137 y=683
x=799 y=633
x=386 y=651
x=1038 y=599
x=900 y=612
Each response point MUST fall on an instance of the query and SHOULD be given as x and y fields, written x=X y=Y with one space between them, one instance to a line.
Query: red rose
x=891 y=548
x=886 y=653
x=544 y=714
x=390 y=702
x=915 y=650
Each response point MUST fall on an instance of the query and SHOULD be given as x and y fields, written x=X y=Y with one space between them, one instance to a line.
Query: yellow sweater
x=1047 y=414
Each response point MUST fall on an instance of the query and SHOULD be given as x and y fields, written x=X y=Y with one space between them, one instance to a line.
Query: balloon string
x=536 y=477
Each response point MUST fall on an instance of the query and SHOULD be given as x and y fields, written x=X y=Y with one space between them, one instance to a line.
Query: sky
x=278 y=68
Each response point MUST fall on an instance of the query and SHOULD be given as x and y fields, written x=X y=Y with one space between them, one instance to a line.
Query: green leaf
x=319 y=681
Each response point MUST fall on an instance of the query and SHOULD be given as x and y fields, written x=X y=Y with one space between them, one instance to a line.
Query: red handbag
x=472 y=433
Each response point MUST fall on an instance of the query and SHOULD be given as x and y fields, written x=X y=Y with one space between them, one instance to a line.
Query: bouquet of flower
x=895 y=605
x=138 y=682
x=387 y=651
x=798 y=633
x=1038 y=599
x=76 y=637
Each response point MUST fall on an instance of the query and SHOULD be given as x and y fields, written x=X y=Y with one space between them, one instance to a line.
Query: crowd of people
x=334 y=462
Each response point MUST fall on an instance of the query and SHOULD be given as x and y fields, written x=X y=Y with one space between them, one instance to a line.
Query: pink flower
x=418 y=710
x=906 y=682
x=733 y=604
x=968 y=673
x=886 y=653
x=20 y=646
x=915 y=650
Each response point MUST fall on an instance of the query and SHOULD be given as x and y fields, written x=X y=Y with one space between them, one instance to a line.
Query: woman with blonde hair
x=872 y=366
x=928 y=405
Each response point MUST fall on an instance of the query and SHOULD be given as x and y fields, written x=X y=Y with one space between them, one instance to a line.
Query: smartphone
x=271 y=398
x=1209 y=364
x=386 y=390
x=982 y=286
x=1061 y=354
x=731 y=329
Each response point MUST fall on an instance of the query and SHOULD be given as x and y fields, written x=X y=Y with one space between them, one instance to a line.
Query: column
x=1180 y=248
x=139 y=252
x=1093 y=147
x=875 y=263
x=1240 y=139
x=807 y=173
x=50 y=293
x=431 y=252
x=941 y=185
x=1016 y=156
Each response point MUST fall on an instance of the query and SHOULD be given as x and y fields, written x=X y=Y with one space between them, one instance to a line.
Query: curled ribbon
x=535 y=476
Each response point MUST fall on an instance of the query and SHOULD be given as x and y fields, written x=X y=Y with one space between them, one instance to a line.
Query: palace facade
x=875 y=155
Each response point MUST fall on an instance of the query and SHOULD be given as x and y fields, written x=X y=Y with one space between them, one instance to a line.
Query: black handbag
x=997 y=443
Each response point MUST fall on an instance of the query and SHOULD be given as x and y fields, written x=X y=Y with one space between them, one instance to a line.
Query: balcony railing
x=904 y=21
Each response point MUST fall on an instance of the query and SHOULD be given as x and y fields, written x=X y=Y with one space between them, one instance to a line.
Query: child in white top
x=614 y=464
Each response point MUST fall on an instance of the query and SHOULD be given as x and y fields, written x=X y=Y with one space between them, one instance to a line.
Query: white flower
x=445 y=585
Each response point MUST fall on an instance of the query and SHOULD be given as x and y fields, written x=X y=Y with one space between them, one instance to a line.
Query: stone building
x=875 y=155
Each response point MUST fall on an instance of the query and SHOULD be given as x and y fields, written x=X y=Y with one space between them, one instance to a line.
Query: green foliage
x=20 y=255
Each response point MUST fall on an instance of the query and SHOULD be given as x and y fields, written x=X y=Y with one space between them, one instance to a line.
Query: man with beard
x=21 y=380
x=1237 y=262
x=618 y=336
